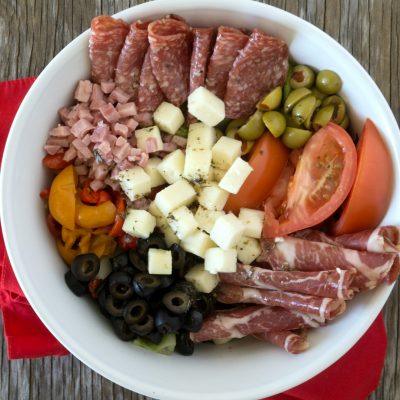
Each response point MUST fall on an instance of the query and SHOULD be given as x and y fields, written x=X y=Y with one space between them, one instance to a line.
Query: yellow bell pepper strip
x=91 y=217
x=103 y=245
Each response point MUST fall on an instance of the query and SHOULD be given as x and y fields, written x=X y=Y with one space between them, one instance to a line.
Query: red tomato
x=372 y=190
x=322 y=180
x=55 y=161
x=127 y=242
x=268 y=158
x=53 y=226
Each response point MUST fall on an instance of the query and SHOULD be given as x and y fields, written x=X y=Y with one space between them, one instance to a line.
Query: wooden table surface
x=33 y=32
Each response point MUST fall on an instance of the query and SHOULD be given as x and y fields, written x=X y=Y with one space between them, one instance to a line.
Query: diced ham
x=131 y=123
x=169 y=147
x=179 y=141
x=120 y=141
x=96 y=185
x=114 y=185
x=100 y=133
x=107 y=87
x=86 y=139
x=81 y=127
x=127 y=109
x=52 y=149
x=83 y=91
x=151 y=145
x=119 y=96
x=63 y=113
x=103 y=148
x=124 y=164
x=98 y=99
x=121 y=152
x=109 y=112
x=141 y=204
x=82 y=149
x=100 y=171
x=70 y=154
x=144 y=119
x=144 y=158
x=55 y=141
x=86 y=113
x=60 y=131
x=81 y=169
x=289 y=341
x=121 y=130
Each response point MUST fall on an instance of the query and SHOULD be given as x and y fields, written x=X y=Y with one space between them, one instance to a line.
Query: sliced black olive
x=85 y=267
x=205 y=303
x=129 y=269
x=178 y=260
x=177 y=301
x=119 y=261
x=101 y=294
x=193 y=320
x=154 y=337
x=166 y=322
x=77 y=288
x=145 y=284
x=153 y=242
x=114 y=307
x=191 y=260
x=166 y=280
x=144 y=327
x=122 y=329
x=186 y=287
x=136 y=261
x=135 y=311
x=120 y=285
x=184 y=345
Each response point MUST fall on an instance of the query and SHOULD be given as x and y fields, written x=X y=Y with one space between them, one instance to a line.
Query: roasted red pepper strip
x=89 y=196
x=44 y=194
x=127 y=242
x=55 y=161
x=119 y=202
x=53 y=226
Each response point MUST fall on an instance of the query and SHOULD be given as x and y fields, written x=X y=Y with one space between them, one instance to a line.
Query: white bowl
x=241 y=369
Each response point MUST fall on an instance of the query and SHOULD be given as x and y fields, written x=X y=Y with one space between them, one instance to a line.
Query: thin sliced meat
x=286 y=340
x=261 y=66
x=130 y=60
x=106 y=40
x=323 y=306
x=237 y=323
x=333 y=284
x=170 y=57
x=291 y=253
x=227 y=46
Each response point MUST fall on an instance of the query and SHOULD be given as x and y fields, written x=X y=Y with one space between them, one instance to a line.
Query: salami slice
x=261 y=66
x=333 y=284
x=106 y=40
x=131 y=58
x=323 y=306
x=169 y=40
x=286 y=340
x=227 y=46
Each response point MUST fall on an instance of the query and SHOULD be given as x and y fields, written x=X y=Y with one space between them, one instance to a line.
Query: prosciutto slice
x=286 y=340
x=324 y=307
x=333 y=284
x=237 y=323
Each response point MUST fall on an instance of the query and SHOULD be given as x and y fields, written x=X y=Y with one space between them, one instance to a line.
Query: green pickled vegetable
x=303 y=109
x=233 y=126
x=247 y=145
x=345 y=122
x=275 y=122
x=223 y=124
x=323 y=116
x=303 y=76
x=308 y=121
x=271 y=101
x=166 y=346
x=253 y=128
x=328 y=82
x=340 y=107
x=295 y=138
x=286 y=87
x=294 y=97
x=182 y=131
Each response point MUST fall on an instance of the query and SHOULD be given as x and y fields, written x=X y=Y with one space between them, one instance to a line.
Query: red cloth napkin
x=353 y=377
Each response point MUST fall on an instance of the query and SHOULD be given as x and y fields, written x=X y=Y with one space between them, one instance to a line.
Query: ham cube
x=60 y=131
x=119 y=96
x=121 y=130
x=83 y=91
x=127 y=109
x=81 y=127
x=109 y=112
x=107 y=87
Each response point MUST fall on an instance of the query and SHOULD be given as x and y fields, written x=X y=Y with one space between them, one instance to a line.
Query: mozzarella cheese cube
x=218 y=174
x=139 y=223
x=225 y=152
x=182 y=222
x=168 y=117
x=159 y=262
x=154 y=210
x=180 y=193
x=149 y=139
x=200 y=136
x=219 y=260
x=206 y=106
x=201 y=279
x=206 y=218
x=235 y=176
x=171 y=167
x=134 y=182
x=248 y=249
x=151 y=169
x=253 y=221
x=213 y=197
x=197 y=243
x=227 y=231
x=169 y=236
x=197 y=165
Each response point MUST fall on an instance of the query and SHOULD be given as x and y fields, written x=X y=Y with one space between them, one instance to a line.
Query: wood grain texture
x=32 y=32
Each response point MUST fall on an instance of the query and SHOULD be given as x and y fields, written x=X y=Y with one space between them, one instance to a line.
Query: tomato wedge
x=324 y=175
x=370 y=196
x=268 y=158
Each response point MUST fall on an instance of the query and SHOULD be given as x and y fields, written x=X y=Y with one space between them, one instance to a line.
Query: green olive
x=182 y=131
x=328 y=82
x=294 y=97
x=253 y=128
x=345 y=122
x=323 y=116
x=303 y=109
x=218 y=133
x=272 y=100
x=303 y=76
x=233 y=126
x=308 y=121
x=340 y=107
x=286 y=86
x=290 y=121
x=295 y=138
x=275 y=122
x=319 y=95
x=247 y=145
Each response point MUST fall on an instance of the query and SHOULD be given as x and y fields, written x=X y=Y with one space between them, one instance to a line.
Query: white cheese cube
x=139 y=223
x=253 y=221
x=151 y=169
x=225 y=152
x=235 y=176
x=213 y=197
x=134 y=182
x=248 y=249
x=169 y=236
x=201 y=279
x=180 y=193
x=149 y=139
x=200 y=136
x=227 y=231
x=219 y=260
x=206 y=106
x=168 y=117
x=218 y=174
x=197 y=165
x=206 y=218
x=171 y=167
x=159 y=262
x=197 y=243
x=154 y=210
x=182 y=222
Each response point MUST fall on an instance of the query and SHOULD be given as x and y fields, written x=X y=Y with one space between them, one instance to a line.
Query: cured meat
x=323 y=306
x=202 y=38
x=290 y=253
x=150 y=95
x=227 y=46
x=130 y=60
x=333 y=284
x=237 y=323
x=106 y=40
x=169 y=40
x=261 y=66
x=286 y=340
